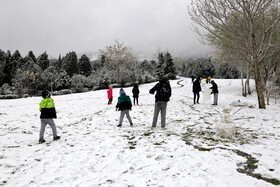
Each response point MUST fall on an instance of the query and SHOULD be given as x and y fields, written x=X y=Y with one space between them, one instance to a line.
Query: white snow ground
x=94 y=152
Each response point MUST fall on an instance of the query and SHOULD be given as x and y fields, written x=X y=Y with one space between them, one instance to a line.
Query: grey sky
x=60 y=26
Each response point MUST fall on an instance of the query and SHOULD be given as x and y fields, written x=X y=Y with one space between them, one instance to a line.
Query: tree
x=43 y=61
x=244 y=28
x=32 y=73
x=16 y=62
x=70 y=63
x=201 y=67
x=2 y=65
x=48 y=77
x=118 y=56
x=228 y=72
x=84 y=65
x=63 y=81
x=78 y=82
x=160 y=65
x=169 y=69
x=9 y=69
x=32 y=56
x=271 y=74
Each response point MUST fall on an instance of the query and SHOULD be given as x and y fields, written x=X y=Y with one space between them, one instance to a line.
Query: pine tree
x=2 y=65
x=16 y=61
x=169 y=69
x=32 y=56
x=43 y=61
x=7 y=70
x=84 y=65
x=183 y=72
x=102 y=60
x=59 y=65
x=160 y=65
x=70 y=63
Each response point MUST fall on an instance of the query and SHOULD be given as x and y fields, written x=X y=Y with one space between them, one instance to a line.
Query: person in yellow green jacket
x=48 y=112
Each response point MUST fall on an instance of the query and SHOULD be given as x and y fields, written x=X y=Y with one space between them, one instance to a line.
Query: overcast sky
x=60 y=26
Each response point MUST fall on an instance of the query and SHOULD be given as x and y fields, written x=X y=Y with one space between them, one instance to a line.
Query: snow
x=92 y=151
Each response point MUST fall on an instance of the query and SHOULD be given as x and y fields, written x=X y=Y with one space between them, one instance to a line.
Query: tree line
x=116 y=64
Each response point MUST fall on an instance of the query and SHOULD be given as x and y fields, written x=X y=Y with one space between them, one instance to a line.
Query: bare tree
x=271 y=75
x=241 y=27
x=119 y=56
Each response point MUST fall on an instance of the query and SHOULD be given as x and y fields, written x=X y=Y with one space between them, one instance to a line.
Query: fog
x=60 y=26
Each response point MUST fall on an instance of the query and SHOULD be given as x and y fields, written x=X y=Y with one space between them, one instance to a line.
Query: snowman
x=226 y=127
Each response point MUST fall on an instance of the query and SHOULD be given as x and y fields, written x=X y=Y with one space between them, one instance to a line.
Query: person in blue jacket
x=124 y=105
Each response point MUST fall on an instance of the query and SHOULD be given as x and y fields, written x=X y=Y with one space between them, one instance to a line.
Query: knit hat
x=122 y=91
x=46 y=94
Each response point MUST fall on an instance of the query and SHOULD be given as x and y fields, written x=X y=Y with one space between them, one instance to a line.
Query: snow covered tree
x=32 y=56
x=43 y=61
x=160 y=65
x=78 y=82
x=201 y=67
x=119 y=57
x=49 y=76
x=59 y=63
x=243 y=28
x=63 y=81
x=16 y=61
x=183 y=69
x=19 y=82
x=8 y=70
x=84 y=65
x=70 y=63
x=169 y=69
x=16 y=56
x=2 y=65
x=227 y=71
x=165 y=66
x=32 y=72
x=271 y=74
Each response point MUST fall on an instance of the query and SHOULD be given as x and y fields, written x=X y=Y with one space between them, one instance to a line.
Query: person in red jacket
x=110 y=95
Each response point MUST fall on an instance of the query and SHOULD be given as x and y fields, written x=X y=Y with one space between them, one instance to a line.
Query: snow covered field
x=94 y=152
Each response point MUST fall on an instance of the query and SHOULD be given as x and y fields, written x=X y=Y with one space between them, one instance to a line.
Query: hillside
x=94 y=152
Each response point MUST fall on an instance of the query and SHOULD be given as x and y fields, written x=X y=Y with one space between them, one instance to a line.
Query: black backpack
x=164 y=92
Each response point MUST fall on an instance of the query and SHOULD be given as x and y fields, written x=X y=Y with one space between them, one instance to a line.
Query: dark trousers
x=196 y=94
x=135 y=99
x=110 y=101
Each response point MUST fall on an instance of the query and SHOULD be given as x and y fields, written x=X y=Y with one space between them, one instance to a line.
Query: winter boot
x=42 y=140
x=56 y=138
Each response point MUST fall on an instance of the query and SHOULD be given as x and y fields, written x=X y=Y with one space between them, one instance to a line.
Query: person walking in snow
x=48 y=112
x=135 y=91
x=110 y=95
x=196 y=90
x=215 y=92
x=163 y=94
x=124 y=105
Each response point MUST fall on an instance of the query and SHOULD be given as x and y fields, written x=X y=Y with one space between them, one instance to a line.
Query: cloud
x=60 y=26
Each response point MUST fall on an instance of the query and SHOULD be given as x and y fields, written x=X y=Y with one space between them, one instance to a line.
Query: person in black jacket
x=162 y=96
x=196 y=90
x=215 y=92
x=135 y=91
